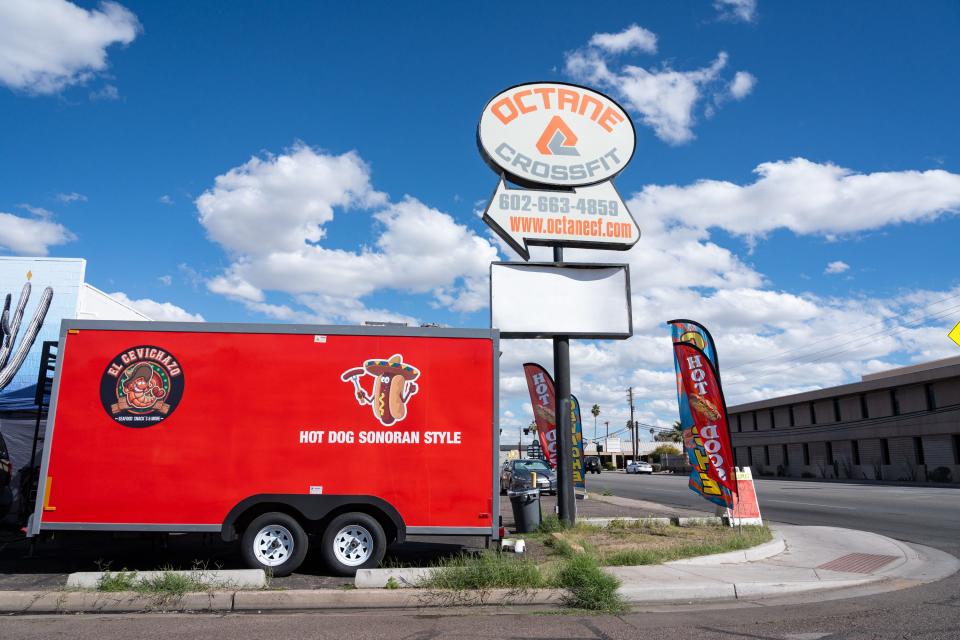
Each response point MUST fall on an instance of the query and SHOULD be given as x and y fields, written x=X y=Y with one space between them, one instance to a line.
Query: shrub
x=609 y=466
x=940 y=474
x=657 y=467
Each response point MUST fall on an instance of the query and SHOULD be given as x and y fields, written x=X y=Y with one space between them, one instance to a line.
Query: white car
x=639 y=467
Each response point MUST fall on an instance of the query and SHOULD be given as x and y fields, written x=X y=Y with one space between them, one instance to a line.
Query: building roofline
x=916 y=374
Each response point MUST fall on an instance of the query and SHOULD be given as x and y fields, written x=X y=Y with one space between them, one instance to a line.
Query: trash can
x=526 y=510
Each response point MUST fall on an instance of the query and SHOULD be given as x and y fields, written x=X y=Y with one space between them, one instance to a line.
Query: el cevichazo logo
x=393 y=386
x=142 y=386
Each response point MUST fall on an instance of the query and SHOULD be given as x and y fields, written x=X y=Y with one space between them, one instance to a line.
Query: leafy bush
x=657 y=467
x=609 y=466
x=940 y=474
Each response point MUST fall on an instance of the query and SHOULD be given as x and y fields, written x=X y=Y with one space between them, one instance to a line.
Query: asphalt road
x=918 y=514
x=924 y=515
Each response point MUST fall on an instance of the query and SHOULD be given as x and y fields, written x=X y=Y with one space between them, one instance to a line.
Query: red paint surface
x=709 y=412
x=236 y=431
x=745 y=503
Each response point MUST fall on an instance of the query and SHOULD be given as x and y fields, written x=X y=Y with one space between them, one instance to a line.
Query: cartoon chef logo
x=393 y=385
x=141 y=386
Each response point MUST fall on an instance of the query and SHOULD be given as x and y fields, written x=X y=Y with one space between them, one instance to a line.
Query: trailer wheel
x=353 y=541
x=274 y=542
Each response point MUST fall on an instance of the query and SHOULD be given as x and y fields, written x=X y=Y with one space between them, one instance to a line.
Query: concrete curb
x=919 y=565
x=222 y=579
x=759 y=552
x=410 y=577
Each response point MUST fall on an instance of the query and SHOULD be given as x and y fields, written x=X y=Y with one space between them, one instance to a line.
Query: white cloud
x=165 y=199
x=106 y=92
x=40 y=212
x=805 y=197
x=46 y=45
x=742 y=85
x=270 y=215
x=165 y=280
x=837 y=266
x=665 y=99
x=159 y=311
x=632 y=38
x=771 y=342
x=736 y=10
x=73 y=196
x=27 y=236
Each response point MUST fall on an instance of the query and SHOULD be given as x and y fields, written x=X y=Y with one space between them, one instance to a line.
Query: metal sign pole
x=566 y=498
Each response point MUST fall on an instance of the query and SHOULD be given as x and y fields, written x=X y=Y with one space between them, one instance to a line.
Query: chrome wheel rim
x=273 y=545
x=353 y=545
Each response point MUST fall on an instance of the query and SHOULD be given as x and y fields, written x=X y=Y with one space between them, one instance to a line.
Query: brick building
x=901 y=424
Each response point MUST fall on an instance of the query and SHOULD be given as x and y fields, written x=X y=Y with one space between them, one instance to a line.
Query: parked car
x=592 y=464
x=516 y=475
x=639 y=466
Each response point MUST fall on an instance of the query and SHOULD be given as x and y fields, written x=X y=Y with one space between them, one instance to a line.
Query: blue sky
x=185 y=92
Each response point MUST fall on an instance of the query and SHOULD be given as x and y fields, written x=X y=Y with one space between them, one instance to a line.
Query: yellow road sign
x=955 y=334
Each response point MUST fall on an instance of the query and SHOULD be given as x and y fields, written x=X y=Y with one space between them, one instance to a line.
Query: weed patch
x=487 y=570
x=588 y=587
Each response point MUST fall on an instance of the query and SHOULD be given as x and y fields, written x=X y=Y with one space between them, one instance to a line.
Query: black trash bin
x=526 y=510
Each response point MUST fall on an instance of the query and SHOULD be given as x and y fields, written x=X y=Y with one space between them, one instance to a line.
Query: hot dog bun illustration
x=393 y=385
x=703 y=406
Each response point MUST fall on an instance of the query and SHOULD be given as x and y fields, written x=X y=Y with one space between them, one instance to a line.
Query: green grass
x=587 y=586
x=486 y=570
x=123 y=580
x=744 y=539
x=167 y=583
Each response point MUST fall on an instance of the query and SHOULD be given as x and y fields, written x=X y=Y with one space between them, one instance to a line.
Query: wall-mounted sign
x=555 y=134
x=955 y=334
x=594 y=216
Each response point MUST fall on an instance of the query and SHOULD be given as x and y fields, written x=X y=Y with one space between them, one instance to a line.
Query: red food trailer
x=268 y=433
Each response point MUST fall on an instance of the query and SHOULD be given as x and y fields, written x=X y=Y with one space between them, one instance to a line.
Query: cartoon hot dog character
x=393 y=385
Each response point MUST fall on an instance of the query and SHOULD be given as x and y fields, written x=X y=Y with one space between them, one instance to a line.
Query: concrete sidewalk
x=815 y=559
x=817 y=563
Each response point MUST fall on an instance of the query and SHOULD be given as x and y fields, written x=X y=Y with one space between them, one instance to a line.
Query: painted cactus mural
x=12 y=352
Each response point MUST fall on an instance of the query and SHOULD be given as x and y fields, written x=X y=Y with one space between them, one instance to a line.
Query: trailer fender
x=312 y=508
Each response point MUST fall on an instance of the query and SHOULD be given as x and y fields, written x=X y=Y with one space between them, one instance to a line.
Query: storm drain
x=858 y=563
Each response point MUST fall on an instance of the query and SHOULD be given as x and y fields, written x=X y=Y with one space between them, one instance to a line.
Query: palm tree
x=595 y=410
x=674 y=435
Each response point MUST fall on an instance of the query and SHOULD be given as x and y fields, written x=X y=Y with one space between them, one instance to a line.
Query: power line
x=840 y=335
x=852 y=345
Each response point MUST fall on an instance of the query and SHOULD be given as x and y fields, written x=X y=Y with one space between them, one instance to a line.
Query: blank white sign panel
x=544 y=300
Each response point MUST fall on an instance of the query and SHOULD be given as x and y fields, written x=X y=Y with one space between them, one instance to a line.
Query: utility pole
x=633 y=424
x=566 y=498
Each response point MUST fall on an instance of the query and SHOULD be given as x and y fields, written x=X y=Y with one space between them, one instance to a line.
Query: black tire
x=364 y=530
x=280 y=531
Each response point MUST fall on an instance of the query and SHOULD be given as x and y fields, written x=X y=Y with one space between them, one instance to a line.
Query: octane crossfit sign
x=555 y=134
x=570 y=142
